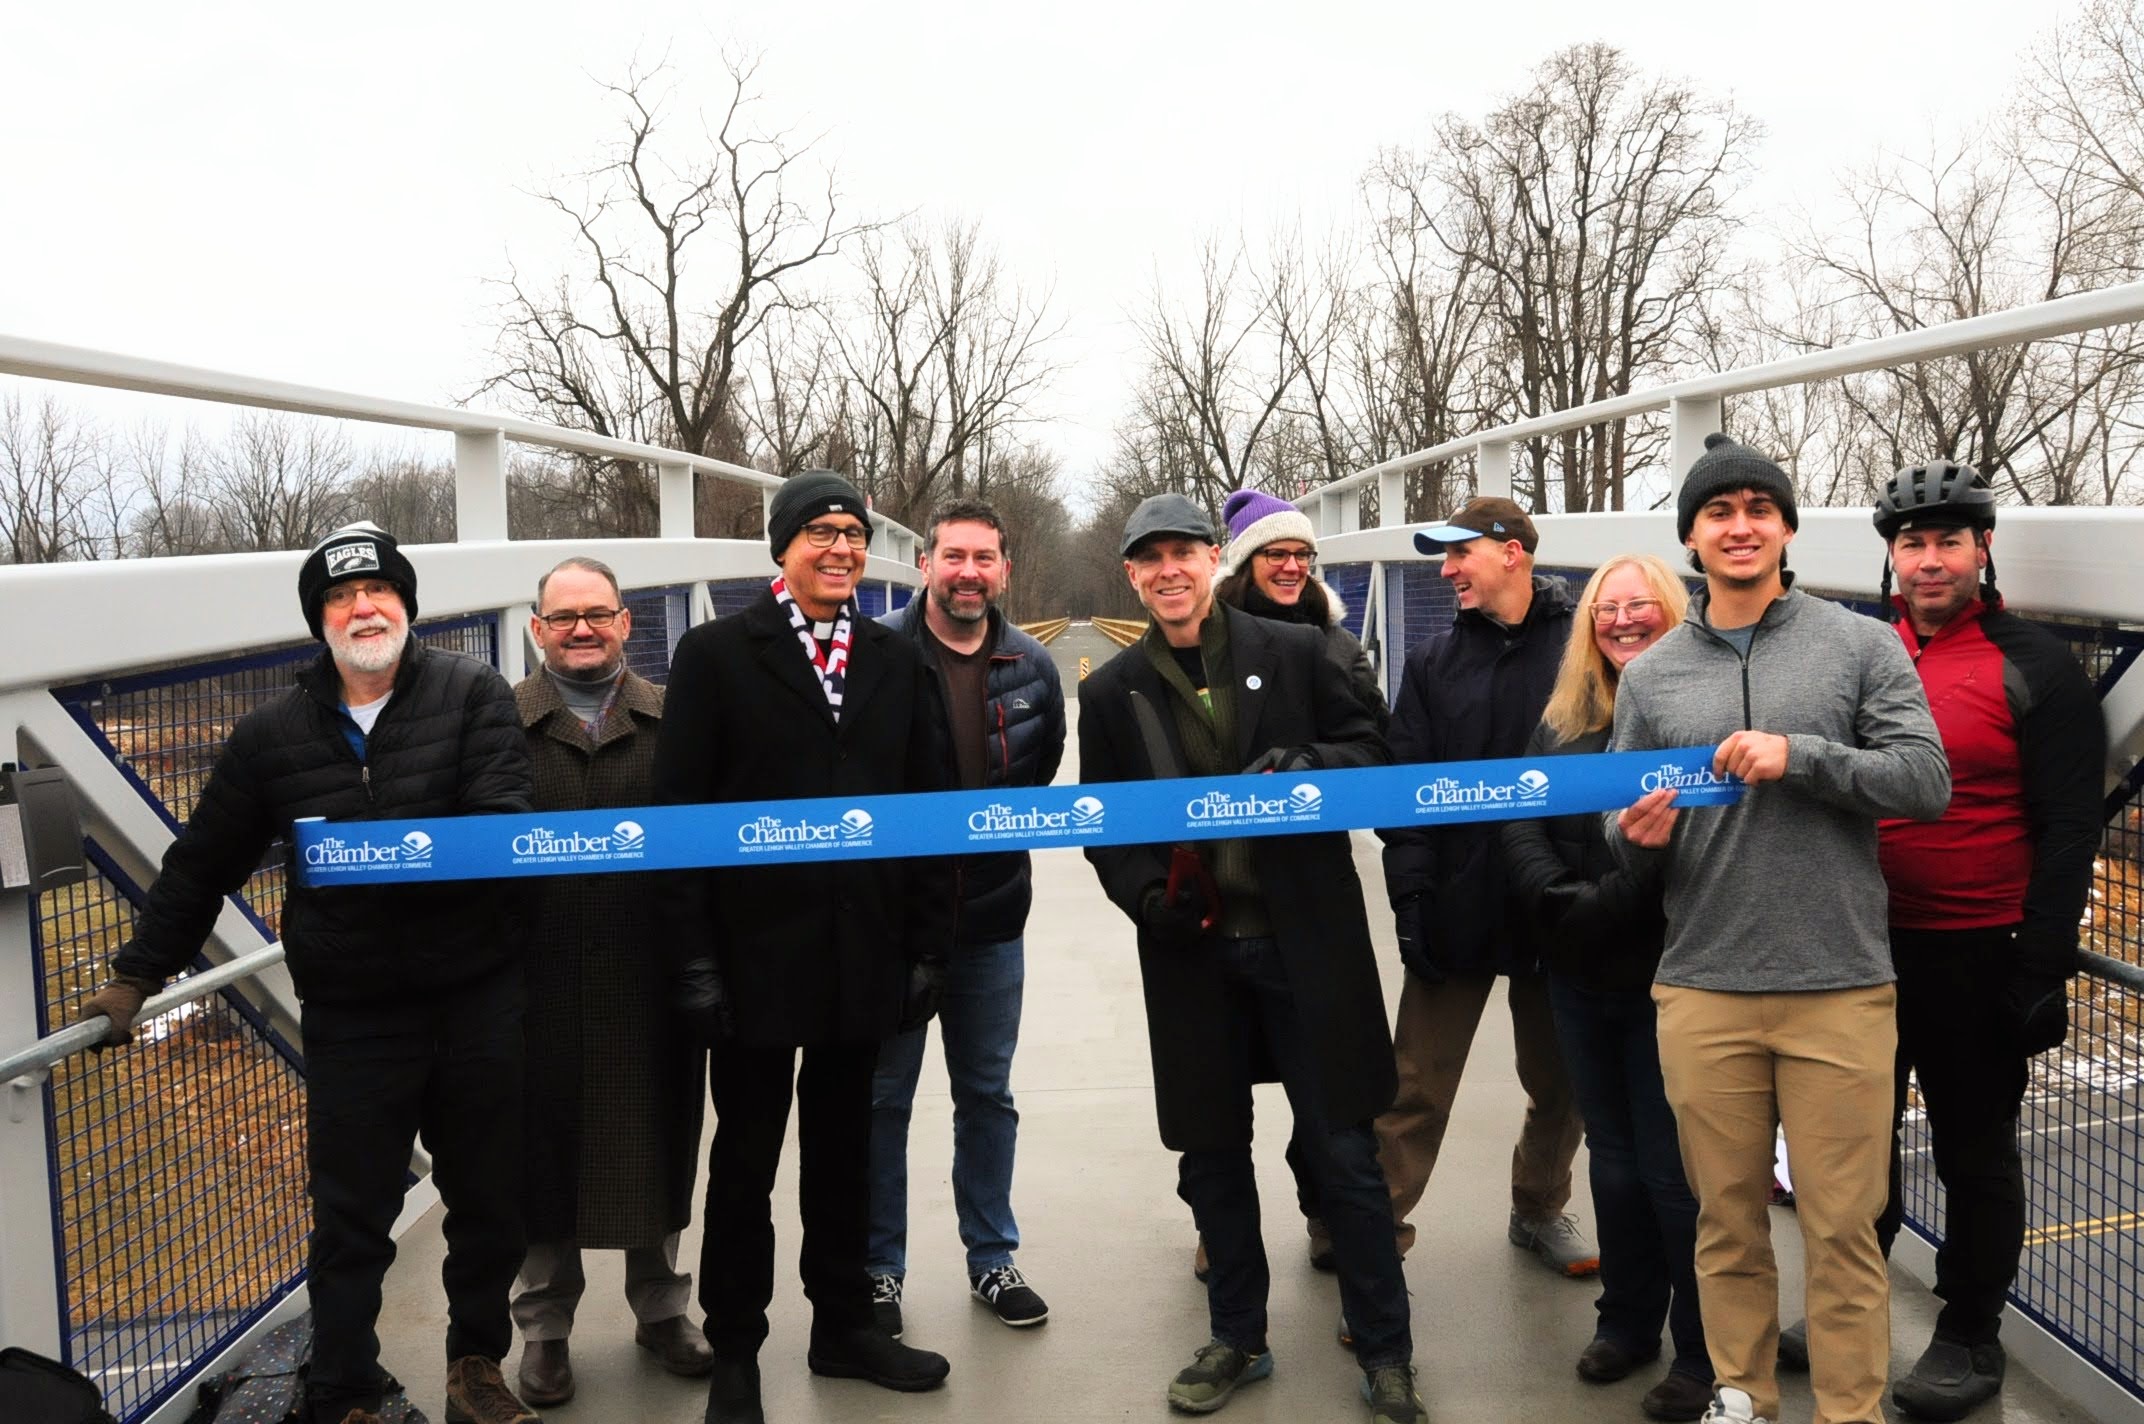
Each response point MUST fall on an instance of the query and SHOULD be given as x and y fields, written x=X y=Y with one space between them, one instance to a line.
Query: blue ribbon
x=742 y=833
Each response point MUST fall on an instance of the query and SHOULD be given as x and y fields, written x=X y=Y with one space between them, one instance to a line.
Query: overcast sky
x=319 y=193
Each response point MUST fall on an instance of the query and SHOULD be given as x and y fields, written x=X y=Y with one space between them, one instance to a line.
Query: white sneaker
x=1732 y=1406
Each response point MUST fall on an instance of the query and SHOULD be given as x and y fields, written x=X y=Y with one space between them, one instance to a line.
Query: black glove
x=2036 y=1010
x=926 y=986
x=1409 y=925
x=1282 y=759
x=1173 y=921
x=704 y=1000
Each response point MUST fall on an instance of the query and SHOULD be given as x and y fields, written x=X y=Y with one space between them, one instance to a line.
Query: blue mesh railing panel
x=178 y=1166
x=735 y=595
x=1352 y=583
x=647 y=651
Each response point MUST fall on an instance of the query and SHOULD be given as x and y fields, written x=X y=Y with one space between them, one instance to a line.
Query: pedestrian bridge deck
x=1109 y=1245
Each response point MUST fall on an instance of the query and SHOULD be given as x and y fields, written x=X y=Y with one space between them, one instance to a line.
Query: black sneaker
x=1007 y=1292
x=1950 y=1379
x=1205 y=1384
x=1389 y=1391
x=865 y=1353
x=886 y=1304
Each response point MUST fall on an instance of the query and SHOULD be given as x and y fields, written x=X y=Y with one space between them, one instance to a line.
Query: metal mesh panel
x=178 y=1188
x=655 y=612
x=165 y=728
x=1352 y=583
x=735 y=595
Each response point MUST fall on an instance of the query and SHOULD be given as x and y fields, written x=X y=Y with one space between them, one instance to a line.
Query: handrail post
x=1347 y=510
x=1391 y=498
x=674 y=491
x=1689 y=422
x=29 y=1272
x=1492 y=469
x=480 y=513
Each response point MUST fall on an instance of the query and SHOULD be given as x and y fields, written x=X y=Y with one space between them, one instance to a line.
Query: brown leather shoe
x=477 y=1394
x=546 y=1372
x=682 y=1349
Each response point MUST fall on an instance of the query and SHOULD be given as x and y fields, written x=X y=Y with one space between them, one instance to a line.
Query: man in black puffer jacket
x=1473 y=693
x=412 y=994
x=1006 y=711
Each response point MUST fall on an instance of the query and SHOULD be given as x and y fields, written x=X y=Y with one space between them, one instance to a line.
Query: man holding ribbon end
x=412 y=993
x=800 y=696
x=1251 y=950
x=1775 y=988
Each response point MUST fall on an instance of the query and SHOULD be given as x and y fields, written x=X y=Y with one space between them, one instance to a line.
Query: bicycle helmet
x=1939 y=494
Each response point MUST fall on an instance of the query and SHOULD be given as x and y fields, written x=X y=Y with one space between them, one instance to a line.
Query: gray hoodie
x=1782 y=891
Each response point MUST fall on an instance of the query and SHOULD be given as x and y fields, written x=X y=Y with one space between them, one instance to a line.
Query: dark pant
x=444 y=1066
x=1222 y=1191
x=1646 y=1212
x=1952 y=1036
x=751 y=1086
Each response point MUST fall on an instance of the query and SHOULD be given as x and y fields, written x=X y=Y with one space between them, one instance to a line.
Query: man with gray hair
x=614 y=1093
x=412 y=993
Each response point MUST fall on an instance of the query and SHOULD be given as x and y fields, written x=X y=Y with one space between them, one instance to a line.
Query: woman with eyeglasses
x=1604 y=928
x=1270 y=569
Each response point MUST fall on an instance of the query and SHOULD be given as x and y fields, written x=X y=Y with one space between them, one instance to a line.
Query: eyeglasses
x=342 y=595
x=563 y=620
x=1281 y=558
x=822 y=536
x=1637 y=608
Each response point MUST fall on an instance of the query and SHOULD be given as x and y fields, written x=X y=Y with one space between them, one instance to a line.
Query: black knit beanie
x=362 y=550
x=1724 y=468
x=803 y=498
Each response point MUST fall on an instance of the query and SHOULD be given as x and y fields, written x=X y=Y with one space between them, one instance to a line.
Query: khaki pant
x=552 y=1284
x=1430 y=1038
x=1819 y=1065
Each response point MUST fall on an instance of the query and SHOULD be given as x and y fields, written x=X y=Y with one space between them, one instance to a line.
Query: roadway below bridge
x=1109 y=1245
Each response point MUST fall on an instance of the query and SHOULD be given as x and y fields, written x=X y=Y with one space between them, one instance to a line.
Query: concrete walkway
x=1109 y=1246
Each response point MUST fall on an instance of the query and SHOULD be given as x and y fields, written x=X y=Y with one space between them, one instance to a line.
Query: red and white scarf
x=831 y=663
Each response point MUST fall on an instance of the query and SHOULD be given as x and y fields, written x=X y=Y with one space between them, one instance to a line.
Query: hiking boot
x=1558 y=1242
x=886 y=1304
x=1732 y=1406
x=477 y=1394
x=733 y=1391
x=1321 y=1245
x=1201 y=1265
x=1007 y=1292
x=1678 y=1396
x=1950 y=1379
x=1604 y=1361
x=869 y=1353
x=546 y=1374
x=1794 y=1347
x=1391 y=1394
x=1205 y=1384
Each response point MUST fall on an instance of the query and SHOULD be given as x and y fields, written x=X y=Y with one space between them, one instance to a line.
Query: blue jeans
x=1339 y=1159
x=1646 y=1212
x=979 y=1019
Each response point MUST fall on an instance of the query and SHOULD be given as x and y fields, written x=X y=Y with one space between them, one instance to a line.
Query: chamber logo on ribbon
x=1453 y=795
x=627 y=836
x=1086 y=812
x=855 y=824
x=1682 y=778
x=416 y=846
x=1003 y=821
x=1305 y=799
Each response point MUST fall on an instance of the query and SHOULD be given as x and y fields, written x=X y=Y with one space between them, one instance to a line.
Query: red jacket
x=2027 y=747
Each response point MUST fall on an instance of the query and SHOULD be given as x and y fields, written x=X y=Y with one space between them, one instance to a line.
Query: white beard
x=369 y=654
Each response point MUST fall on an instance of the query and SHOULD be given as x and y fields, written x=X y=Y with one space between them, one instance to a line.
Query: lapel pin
x=1254 y=682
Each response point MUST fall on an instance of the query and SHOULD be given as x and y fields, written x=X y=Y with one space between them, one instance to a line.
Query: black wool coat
x=815 y=950
x=1288 y=693
x=614 y=1082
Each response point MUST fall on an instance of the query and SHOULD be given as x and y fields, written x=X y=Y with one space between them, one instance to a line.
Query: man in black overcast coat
x=798 y=696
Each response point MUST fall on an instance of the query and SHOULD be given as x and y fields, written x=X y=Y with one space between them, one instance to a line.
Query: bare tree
x=945 y=357
x=682 y=261
x=50 y=462
x=278 y=481
x=1596 y=203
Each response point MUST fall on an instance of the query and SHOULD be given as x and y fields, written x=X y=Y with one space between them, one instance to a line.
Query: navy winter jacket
x=1471 y=693
x=1024 y=716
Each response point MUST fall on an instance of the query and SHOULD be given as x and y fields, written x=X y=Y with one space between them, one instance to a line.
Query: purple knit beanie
x=1256 y=519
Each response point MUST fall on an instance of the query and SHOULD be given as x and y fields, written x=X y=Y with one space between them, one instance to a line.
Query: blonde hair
x=1583 y=699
